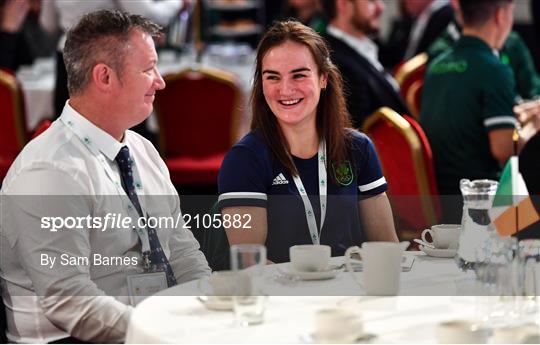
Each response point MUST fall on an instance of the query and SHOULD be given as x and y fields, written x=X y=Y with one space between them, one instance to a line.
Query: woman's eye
x=271 y=77
x=299 y=76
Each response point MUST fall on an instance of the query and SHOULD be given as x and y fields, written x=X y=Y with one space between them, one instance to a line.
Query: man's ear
x=500 y=15
x=102 y=77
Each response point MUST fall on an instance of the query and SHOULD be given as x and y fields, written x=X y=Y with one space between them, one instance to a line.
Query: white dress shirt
x=70 y=171
x=63 y=14
x=420 y=25
x=366 y=48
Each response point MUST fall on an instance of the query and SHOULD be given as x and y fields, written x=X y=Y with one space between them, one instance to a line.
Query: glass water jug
x=476 y=226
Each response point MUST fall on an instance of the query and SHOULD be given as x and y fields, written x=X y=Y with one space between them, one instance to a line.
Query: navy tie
x=157 y=256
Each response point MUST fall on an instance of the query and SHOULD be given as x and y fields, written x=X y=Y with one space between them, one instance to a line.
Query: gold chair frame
x=409 y=67
x=410 y=98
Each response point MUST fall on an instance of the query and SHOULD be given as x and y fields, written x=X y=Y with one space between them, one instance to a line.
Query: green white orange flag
x=512 y=209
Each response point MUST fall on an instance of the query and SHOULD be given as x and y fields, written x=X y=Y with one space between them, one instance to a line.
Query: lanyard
x=310 y=215
x=131 y=211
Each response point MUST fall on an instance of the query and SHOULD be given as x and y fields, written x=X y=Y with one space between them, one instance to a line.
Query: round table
x=432 y=292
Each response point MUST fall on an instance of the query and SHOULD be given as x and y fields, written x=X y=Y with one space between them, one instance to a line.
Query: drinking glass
x=528 y=273
x=248 y=261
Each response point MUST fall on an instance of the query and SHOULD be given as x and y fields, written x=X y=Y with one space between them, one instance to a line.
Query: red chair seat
x=197 y=114
x=13 y=135
x=195 y=170
x=4 y=167
x=407 y=164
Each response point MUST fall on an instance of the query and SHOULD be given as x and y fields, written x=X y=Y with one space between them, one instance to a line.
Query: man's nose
x=158 y=81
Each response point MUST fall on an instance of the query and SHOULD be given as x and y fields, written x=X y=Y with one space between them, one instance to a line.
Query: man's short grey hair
x=101 y=37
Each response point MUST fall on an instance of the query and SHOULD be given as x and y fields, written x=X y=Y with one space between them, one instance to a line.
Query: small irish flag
x=512 y=209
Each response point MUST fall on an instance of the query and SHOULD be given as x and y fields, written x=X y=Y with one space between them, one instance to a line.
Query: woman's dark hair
x=332 y=118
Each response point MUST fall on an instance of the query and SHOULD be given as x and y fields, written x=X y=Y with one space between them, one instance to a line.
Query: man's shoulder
x=340 y=51
x=55 y=150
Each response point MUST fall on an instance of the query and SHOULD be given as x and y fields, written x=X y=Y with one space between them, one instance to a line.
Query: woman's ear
x=324 y=81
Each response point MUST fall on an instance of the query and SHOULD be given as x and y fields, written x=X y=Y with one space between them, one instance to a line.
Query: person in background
x=367 y=85
x=58 y=15
x=308 y=12
x=514 y=53
x=468 y=99
x=21 y=37
x=421 y=23
x=535 y=12
x=302 y=176
x=88 y=165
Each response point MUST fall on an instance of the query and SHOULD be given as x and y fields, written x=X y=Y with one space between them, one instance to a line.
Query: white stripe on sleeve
x=372 y=185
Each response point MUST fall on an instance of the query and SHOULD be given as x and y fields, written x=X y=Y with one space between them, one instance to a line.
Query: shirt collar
x=477 y=42
x=96 y=139
x=363 y=46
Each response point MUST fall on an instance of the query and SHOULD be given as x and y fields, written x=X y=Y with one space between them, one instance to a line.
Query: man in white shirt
x=60 y=15
x=367 y=85
x=60 y=274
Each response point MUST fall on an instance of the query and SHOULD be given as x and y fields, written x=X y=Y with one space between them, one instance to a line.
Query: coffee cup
x=381 y=265
x=444 y=236
x=218 y=284
x=310 y=257
x=461 y=332
x=338 y=326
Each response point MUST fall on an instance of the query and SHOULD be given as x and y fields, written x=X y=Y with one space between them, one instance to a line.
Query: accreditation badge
x=143 y=285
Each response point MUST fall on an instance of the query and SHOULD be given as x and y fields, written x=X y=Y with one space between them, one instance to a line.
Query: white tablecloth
x=175 y=316
x=38 y=89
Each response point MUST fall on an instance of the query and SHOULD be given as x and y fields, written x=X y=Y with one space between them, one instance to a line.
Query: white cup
x=338 y=326
x=444 y=235
x=220 y=283
x=310 y=257
x=461 y=332
x=381 y=262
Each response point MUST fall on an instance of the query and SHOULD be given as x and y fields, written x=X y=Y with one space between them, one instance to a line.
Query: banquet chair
x=42 y=127
x=198 y=115
x=410 y=71
x=407 y=164
x=414 y=98
x=13 y=135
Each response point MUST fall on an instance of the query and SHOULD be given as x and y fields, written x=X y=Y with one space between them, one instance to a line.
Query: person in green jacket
x=514 y=53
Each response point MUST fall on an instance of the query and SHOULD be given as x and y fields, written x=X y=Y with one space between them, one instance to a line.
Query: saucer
x=311 y=338
x=439 y=253
x=307 y=275
x=216 y=303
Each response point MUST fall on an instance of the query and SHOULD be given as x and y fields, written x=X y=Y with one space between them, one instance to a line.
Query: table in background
x=176 y=316
x=38 y=83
